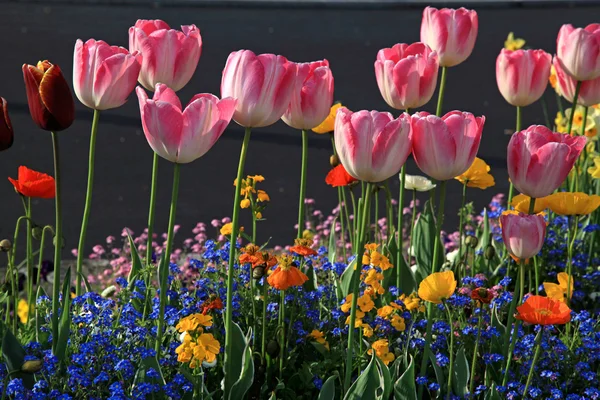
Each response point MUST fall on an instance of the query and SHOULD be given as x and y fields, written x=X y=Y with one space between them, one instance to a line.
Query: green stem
x=41 y=256
x=234 y=233
x=513 y=342
x=264 y=320
x=282 y=333
x=412 y=225
x=88 y=202
x=461 y=228
x=14 y=293
x=151 y=211
x=545 y=111
x=574 y=107
x=538 y=342
x=341 y=215
x=349 y=226
x=57 y=242
x=389 y=211
x=377 y=234
x=356 y=286
x=517 y=129
x=531 y=206
x=474 y=361
x=438 y=227
x=166 y=261
x=570 y=259
x=425 y=360
x=438 y=111
x=399 y=239
x=29 y=259
x=301 y=205
x=451 y=364
x=519 y=117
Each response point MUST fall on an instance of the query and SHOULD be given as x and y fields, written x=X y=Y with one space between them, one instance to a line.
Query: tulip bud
x=109 y=291
x=5 y=245
x=471 y=241
x=50 y=100
x=258 y=272
x=36 y=232
x=273 y=348
x=32 y=366
x=489 y=252
x=6 y=131
x=334 y=160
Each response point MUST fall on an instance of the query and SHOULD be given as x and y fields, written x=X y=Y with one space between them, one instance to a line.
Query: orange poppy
x=302 y=248
x=265 y=259
x=338 y=176
x=212 y=303
x=483 y=295
x=31 y=183
x=248 y=255
x=541 y=310
x=286 y=274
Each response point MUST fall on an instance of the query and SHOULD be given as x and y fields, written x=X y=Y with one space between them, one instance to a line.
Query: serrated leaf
x=405 y=387
x=328 y=389
x=460 y=381
x=64 y=324
x=243 y=364
x=367 y=385
x=347 y=278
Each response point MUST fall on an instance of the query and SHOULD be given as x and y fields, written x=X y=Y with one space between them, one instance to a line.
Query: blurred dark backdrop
x=348 y=36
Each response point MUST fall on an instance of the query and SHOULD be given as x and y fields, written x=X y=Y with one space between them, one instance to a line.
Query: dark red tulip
x=50 y=100
x=6 y=131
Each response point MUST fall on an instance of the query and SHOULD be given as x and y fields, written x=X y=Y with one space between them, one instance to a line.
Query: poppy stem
x=438 y=227
x=451 y=363
x=575 y=98
x=399 y=239
x=88 y=203
x=149 y=245
x=41 y=257
x=521 y=284
x=282 y=332
x=57 y=242
x=264 y=319
x=229 y=378
x=474 y=361
x=538 y=342
x=438 y=111
x=356 y=285
x=342 y=205
x=163 y=270
x=301 y=205
x=27 y=206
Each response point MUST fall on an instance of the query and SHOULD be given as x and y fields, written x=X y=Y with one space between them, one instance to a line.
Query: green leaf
x=405 y=387
x=460 y=380
x=136 y=262
x=328 y=389
x=424 y=242
x=407 y=278
x=331 y=256
x=492 y=393
x=386 y=378
x=243 y=364
x=320 y=348
x=439 y=375
x=14 y=357
x=64 y=325
x=367 y=385
x=484 y=239
x=347 y=278
x=311 y=284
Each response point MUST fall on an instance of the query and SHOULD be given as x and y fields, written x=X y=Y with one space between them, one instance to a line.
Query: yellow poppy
x=520 y=203
x=437 y=287
x=477 y=175
x=327 y=125
x=578 y=203
x=559 y=291
x=595 y=170
x=512 y=43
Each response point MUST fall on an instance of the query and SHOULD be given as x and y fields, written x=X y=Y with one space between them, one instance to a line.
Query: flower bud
x=489 y=252
x=6 y=131
x=273 y=348
x=5 y=245
x=36 y=232
x=258 y=272
x=62 y=242
x=32 y=366
x=471 y=241
x=109 y=291
x=334 y=160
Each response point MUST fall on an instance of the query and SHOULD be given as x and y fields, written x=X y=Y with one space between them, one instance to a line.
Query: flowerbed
x=374 y=300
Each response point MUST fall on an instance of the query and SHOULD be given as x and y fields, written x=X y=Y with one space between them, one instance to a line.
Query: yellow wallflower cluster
x=374 y=258
x=23 y=311
x=197 y=346
x=251 y=195
x=382 y=350
x=594 y=170
x=592 y=121
x=319 y=337
x=477 y=175
x=559 y=291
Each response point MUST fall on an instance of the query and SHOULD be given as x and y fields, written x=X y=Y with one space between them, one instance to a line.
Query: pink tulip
x=372 y=146
x=539 y=160
x=523 y=234
x=312 y=95
x=522 y=75
x=181 y=136
x=170 y=56
x=103 y=75
x=261 y=84
x=579 y=51
x=446 y=147
x=451 y=33
x=589 y=93
x=406 y=75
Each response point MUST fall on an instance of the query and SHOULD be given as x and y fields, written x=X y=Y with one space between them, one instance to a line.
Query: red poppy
x=302 y=248
x=213 y=303
x=541 y=310
x=338 y=176
x=34 y=184
x=483 y=295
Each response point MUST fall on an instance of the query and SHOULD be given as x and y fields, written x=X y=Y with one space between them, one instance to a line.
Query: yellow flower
x=228 y=228
x=245 y=203
x=262 y=196
x=23 y=310
x=560 y=122
x=373 y=279
x=365 y=303
x=385 y=311
x=477 y=175
x=367 y=330
x=559 y=291
x=347 y=304
x=398 y=323
x=319 y=337
x=595 y=170
x=184 y=351
x=327 y=125
x=512 y=43
x=382 y=351
x=192 y=322
x=553 y=79
x=520 y=203
x=566 y=203
x=411 y=302
x=590 y=129
x=256 y=178
x=211 y=346
x=437 y=287
x=358 y=322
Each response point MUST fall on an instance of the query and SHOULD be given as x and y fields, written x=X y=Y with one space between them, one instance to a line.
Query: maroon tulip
x=6 y=131
x=50 y=100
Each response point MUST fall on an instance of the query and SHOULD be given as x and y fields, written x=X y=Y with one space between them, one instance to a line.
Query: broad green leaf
x=407 y=278
x=439 y=374
x=14 y=357
x=484 y=239
x=460 y=380
x=368 y=384
x=386 y=378
x=492 y=393
x=347 y=278
x=311 y=284
x=136 y=262
x=320 y=348
x=243 y=364
x=423 y=244
x=328 y=389
x=64 y=324
x=88 y=287
x=405 y=387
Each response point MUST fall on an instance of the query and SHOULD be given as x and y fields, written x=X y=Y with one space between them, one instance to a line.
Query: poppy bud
x=6 y=131
x=334 y=160
x=32 y=366
x=50 y=100
x=471 y=241
x=36 y=232
x=5 y=245
x=62 y=242
x=489 y=252
x=273 y=348
x=258 y=272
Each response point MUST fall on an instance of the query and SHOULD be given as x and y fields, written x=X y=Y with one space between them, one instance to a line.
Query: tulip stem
x=538 y=342
x=163 y=270
x=438 y=111
x=57 y=242
x=412 y=226
x=149 y=246
x=451 y=363
x=575 y=97
x=301 y=205
x=517 y=129
x=229 y=379
x=356 y=284
x=88 y=203
x=438 y=226
x=399 y=240
x=531 y=206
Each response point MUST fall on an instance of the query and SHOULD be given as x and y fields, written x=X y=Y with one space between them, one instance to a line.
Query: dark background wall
x=348 y=37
